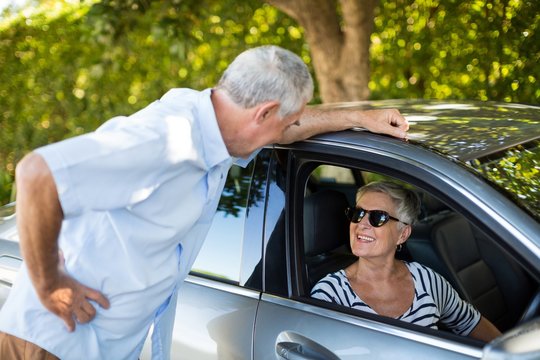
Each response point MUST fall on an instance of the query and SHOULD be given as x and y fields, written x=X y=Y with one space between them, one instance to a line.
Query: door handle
x=293 y=351
x=292 y=346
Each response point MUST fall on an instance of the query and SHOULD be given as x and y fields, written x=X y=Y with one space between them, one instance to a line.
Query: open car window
x=477 y=267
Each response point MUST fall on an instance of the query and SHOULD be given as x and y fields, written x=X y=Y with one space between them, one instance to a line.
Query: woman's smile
x=365 y=238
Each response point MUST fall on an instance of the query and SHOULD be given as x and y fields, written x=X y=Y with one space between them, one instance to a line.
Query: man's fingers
x=398 y=120
x=88 y=309
x=70 y=322
x=70 y=300
x=83 y=315
x=399 y=124
x=396 y=132
x=97 y=297
x=403 y=125
x=84 y=311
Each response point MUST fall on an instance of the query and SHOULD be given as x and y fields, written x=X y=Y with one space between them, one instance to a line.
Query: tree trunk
x=338 y=35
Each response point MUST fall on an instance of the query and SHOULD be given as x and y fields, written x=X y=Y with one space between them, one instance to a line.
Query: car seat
x=489 y=279
x=326 y=234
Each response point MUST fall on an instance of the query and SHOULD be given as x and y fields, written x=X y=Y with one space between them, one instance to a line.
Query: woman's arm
x=485 y=331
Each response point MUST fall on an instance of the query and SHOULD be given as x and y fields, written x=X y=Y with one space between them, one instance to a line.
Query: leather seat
x=480 y=270
x=326 y=234
x=484 y=273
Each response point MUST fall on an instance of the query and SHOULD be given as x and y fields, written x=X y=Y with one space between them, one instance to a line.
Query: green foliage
x=68 y=66
x=518 y=172
x=478 y=49
x=40 y=61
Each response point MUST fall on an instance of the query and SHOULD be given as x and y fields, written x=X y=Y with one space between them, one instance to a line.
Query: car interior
x=480 y=270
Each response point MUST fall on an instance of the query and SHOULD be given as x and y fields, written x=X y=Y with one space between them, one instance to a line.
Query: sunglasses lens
x=378 y=218
x=354 y=214
x=359 y=215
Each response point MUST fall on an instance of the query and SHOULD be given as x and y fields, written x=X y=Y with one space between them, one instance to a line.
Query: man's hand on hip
x=70 y=300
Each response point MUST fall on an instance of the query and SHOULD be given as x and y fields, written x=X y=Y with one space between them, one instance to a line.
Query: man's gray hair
x=268 y=73
x=407 y=202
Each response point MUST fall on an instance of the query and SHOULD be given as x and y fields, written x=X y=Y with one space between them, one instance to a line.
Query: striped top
x=434 y=300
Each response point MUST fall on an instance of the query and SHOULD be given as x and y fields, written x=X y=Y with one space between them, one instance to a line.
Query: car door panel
x=345 y=336
x=213 y=321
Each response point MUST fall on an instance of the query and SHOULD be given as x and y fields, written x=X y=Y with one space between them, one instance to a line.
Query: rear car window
x=220 y=256
x=517 y=171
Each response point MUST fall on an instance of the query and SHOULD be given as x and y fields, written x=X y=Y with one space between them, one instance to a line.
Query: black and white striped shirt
x=434 y=300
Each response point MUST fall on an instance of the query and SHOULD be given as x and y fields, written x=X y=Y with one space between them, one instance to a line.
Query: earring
x=399 y=247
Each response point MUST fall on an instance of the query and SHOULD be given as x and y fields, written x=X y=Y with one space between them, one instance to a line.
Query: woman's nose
x=364 y=222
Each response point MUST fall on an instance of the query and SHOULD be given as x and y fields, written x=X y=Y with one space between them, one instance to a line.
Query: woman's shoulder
x=425 y=275
x=416 y=267
x=335 y=277
x=413 y=265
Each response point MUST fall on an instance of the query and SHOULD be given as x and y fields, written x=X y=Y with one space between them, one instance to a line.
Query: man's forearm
x=39 y=219
x=317 y=121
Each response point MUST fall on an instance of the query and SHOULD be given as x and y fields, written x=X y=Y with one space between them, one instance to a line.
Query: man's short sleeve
x=119 y=166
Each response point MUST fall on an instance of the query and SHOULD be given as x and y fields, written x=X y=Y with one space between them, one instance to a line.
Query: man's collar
x=215 y=150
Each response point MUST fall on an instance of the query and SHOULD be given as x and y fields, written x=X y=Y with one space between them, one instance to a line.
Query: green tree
x=478 y=49
x=68 y=66
x=338 y=34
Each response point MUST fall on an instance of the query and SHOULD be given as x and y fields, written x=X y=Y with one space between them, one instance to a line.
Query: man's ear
x=266 y=110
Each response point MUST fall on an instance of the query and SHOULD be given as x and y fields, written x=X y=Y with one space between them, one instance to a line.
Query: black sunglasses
x=377 y=218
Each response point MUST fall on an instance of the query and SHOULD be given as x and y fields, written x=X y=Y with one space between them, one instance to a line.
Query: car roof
x=463 y=130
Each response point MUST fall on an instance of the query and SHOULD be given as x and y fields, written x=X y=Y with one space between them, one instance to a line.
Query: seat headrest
x=325 y=224
x=430 y=205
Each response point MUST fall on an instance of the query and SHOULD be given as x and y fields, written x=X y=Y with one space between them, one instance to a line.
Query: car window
x=516 y=171
x=220 y=255
x=275 y=252
x=333 y=177
x=481 y=271
x=332 y=174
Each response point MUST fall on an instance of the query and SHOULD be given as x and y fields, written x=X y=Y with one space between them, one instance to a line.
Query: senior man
x=111 y=222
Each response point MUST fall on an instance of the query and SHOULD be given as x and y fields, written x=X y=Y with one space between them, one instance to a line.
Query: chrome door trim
x=221 y=286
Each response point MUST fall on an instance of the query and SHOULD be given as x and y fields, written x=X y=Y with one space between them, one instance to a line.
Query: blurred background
x=68 y=66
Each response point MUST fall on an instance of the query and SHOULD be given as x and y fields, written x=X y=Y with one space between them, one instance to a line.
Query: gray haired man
x=110 y=222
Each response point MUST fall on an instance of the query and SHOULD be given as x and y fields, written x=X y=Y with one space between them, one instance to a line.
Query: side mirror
x=520 y=343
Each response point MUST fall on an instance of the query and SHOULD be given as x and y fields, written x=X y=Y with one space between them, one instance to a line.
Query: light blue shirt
x=138 y=196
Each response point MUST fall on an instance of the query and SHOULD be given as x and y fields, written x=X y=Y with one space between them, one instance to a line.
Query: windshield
x=516 y=170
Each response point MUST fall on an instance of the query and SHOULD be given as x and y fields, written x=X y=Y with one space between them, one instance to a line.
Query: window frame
x=303 y=159
x=252 y=220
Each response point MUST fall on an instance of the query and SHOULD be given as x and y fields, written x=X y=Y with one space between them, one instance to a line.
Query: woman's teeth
x=365 y=238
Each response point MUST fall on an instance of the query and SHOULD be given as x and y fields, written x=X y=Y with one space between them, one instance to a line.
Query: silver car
x=281 y=226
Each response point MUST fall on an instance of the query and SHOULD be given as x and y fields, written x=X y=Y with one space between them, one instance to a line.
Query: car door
x=289 y=325
x=10 y=257
x=294 y=327
x=217 y=303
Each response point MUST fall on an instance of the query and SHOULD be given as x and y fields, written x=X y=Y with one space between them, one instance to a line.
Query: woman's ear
x=404 y=234
x=266 y=110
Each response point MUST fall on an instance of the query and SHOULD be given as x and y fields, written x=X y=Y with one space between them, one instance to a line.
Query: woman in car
x=379 y=283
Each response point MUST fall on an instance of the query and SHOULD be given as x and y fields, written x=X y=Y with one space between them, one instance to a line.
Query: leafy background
x=67 y=66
